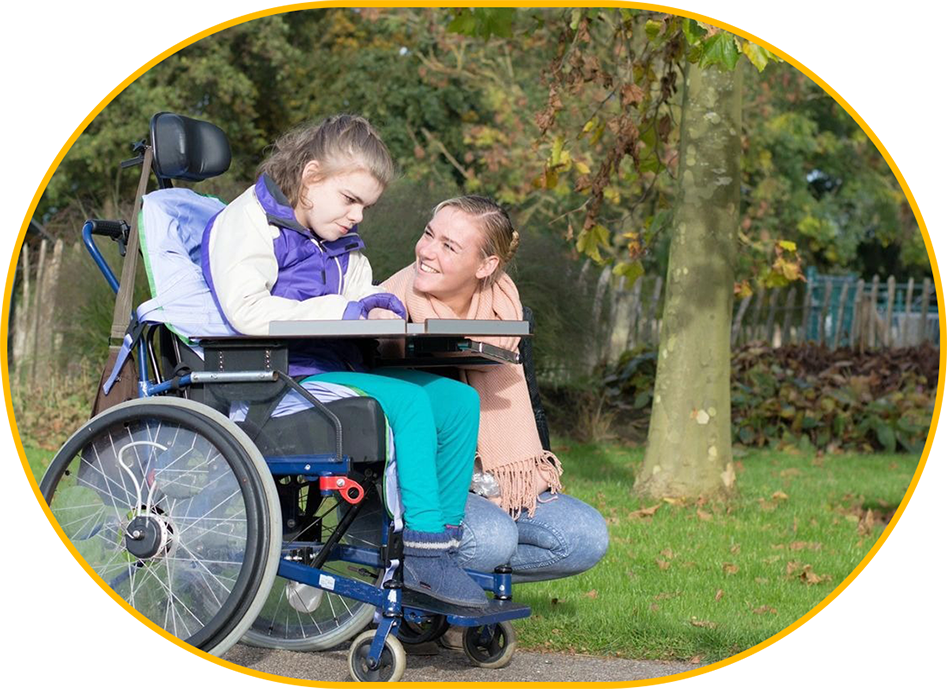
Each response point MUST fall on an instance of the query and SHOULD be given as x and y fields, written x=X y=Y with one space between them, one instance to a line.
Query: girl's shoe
x=429 y=569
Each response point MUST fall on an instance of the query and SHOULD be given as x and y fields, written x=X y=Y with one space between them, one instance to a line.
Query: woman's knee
x=490 y=535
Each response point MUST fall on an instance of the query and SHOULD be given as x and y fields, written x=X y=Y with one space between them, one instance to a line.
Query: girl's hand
x=382 y=314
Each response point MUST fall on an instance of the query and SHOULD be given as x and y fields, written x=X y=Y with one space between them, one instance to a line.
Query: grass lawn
x=706 y=581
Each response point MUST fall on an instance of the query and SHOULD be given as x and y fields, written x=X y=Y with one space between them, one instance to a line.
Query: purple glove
x=383 y=300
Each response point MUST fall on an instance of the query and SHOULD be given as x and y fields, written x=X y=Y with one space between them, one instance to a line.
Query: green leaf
x=631 y=271
x=556 y=156
x=484 y=22
x=758 y=55
x=693 y=31
x=720 y=49
x=653 y=28
x=576 y=18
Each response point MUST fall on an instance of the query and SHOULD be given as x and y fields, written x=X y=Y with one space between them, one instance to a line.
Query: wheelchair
x=278 y=529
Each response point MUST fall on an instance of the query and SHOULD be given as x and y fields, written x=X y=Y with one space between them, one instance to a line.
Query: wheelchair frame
x=329 y=471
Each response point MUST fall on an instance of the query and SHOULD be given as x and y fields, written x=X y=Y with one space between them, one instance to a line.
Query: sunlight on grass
x=705 y=581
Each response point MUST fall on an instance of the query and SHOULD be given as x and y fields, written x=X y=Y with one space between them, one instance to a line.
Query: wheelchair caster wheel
x=390 y=667
x=490 y=646
x=431 y=629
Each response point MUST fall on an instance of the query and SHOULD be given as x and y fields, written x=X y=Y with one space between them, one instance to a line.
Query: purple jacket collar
x=280 y=213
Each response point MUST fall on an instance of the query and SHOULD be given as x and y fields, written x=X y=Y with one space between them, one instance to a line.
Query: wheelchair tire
x=491 y=645
x=172 y=506
x=332 y=619
x=391 y=667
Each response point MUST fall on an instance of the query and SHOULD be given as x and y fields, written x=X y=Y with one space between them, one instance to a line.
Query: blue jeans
x=564 y=537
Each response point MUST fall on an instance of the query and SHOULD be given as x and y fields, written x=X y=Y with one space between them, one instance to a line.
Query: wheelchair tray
x=397 y=328
x=496 y=610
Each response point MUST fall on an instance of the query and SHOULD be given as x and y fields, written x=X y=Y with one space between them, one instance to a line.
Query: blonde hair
x=498 y=237
x=341 y=143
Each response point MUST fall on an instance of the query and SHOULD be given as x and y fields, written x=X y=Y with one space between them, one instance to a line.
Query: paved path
x=452 y=666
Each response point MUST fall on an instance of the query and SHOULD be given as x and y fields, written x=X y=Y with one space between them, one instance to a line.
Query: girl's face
x=449 y=260
x=330 y=207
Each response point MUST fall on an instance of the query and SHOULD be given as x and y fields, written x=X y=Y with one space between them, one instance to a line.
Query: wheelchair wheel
x=392 y=663
x=303 y=618
x=173 y=508
x=431 y=629
x=491 y=645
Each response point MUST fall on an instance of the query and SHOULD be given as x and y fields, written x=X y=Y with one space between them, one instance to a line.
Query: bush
x=807 y=395
x=46 y=415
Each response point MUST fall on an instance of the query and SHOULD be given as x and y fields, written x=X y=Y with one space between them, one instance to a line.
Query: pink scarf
x=508 y=445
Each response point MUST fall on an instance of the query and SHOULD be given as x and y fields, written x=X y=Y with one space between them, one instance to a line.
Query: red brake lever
x=350 y=491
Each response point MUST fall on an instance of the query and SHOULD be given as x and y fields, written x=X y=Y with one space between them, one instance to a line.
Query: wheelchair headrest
x=188 y=149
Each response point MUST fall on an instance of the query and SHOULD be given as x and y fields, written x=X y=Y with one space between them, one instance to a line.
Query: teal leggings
x=435 y=422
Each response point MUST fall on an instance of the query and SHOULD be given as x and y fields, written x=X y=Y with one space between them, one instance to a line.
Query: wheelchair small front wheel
x=491 y=645
x=173 y=508
x=391 y=665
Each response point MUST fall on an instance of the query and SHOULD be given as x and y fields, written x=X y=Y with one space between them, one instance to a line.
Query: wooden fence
x=826 y=310
x=34 y=341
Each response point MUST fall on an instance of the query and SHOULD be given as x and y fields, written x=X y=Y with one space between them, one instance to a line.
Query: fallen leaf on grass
x=662 y=564
x=696 y=660
x=644 y=512
x=668 y=553
x=735 y=549
x=719 y=594
x=674 y=501
x=730 y=568
x=665 y=596
x=779 y=495
x=704 y=516
x=763 y=609
x=866 y=524
x=805 y=545
x=703 y=623
x=592 y=594
x=809 y=577
x=791 y=567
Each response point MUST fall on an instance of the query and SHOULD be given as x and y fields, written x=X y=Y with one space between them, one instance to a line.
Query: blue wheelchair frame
x=390 y=600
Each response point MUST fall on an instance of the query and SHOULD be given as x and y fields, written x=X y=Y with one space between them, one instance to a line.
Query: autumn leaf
x=644 y=512
x=764 y=609
x=703 y=623
x=592 y=594
x=730 y=568
x=662 y=564
x=668 y=553
x=718 y=595
x=779 y=495
x=735 y=549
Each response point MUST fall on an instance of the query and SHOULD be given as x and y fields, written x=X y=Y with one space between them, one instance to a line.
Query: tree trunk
x=689 y=451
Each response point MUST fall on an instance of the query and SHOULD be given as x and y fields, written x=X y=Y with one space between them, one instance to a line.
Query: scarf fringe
x=518 y=482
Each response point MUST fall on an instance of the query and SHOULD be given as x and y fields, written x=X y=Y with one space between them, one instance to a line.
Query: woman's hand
x=382 y=314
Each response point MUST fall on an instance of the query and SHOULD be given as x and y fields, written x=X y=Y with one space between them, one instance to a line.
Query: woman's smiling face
x=449 y=259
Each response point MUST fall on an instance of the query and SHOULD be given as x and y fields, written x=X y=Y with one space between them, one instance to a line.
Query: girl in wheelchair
x=288 y=249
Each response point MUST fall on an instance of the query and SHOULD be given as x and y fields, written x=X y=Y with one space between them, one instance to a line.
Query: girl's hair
x=341 y=143
x=498 y=238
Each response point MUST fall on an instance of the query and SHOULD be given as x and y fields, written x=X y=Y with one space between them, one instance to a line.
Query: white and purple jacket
x=262 y=265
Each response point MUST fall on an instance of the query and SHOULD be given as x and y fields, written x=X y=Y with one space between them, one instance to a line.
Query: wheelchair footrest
x=496 y=610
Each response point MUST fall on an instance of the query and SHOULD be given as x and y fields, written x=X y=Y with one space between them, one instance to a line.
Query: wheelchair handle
x=115 y=229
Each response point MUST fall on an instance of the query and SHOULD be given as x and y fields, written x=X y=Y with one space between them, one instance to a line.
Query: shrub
x=808 y=395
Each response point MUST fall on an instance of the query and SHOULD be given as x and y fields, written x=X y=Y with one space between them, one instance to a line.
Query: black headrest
x=188 y=149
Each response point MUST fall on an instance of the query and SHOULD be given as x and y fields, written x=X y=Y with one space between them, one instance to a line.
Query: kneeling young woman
x=459 y=273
